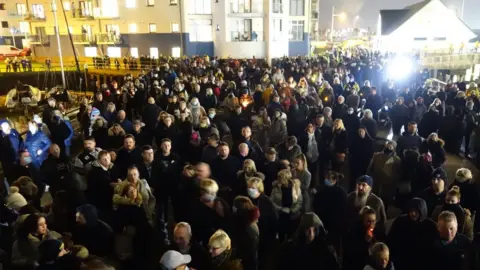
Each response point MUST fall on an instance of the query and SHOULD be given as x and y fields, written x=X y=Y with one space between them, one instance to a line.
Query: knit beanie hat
x=440 y=173
x=49 y=249
x=365 y=179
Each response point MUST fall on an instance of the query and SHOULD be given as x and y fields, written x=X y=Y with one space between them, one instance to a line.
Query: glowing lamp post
x=341 y=16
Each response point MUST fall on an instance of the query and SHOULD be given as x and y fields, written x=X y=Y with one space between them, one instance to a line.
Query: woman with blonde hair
x=220 y=249
x=288 y=200
x=268 y=221
x=470 y=194
x=208 y=212
x=300 y=172
x=249 y=170
x=338 y=145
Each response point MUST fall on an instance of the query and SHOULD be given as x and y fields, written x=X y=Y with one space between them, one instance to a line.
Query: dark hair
x=30 y=224
x=147 y=148
x=132 y=167
x=213 y=136
x=222 y=143
x=89 y=138
x=103 y=153
x=165 y=140
x=412 y=123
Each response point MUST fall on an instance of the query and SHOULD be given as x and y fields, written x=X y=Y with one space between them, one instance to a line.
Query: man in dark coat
x=270 y=168
x=225 y=166
x=10 y=144
x=309 y=247
x=127 y=156
x=374 y=102
x=409 y=139
x=142 y=137
x=435 y=195
x=56 y=171
x=150 y=116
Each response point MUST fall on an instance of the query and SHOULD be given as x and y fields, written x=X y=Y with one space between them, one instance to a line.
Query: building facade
x=118 y=28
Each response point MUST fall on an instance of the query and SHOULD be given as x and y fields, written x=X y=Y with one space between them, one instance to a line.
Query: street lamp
x=342 y=17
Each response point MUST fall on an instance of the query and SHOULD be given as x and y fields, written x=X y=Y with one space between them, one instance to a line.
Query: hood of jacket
x=90 y=213
x=420 y=206
x=97 y=164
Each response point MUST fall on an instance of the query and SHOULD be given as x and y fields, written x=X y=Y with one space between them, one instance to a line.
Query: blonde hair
x=284 y=176
x=208 y=186
x=251 y=163
x=454 y=192
x=340 y=123
x=220 y=239
x=256 y=182
x=463 y=174
x=303 y=158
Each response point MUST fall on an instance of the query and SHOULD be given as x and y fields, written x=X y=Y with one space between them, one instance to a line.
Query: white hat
x=173 y=259
x=15 y=200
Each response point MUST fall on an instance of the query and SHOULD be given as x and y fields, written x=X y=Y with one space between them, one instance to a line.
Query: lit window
x=132 y=28
x=70 y=29
x=130 y=3
x=110 y=8
x=21 y=9
x=152 y=27
x=277 y=29
x=38 y=11
x=134 y=52
x=24 y=27
x=173 y=2
x=176 y=52
x=200 y=30
x=200 y=7
x=115 y=52
x=175 y=27
x=297 y=7
x=150 y=3
x=91 y=51
x=154 y=53
x=66 y=5
x=296 y=30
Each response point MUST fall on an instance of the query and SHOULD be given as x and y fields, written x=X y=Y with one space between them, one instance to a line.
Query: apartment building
x=236 y=28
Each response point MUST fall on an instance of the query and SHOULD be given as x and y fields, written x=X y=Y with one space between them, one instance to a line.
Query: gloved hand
x=286 y=210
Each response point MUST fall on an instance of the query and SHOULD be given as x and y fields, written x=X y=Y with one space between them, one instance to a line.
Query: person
x=434 y=146
x=128 y=155
x=464 y=218
x=183 y=243
x=385 y=169
x=82 y=164
x=100 y=182
x=448 y=249
x=470 y=194
x=361 y=197
x=361 y=237
x=369 y=123
x=287 y=198
x=37 y=144
x=174 y=260
x=220 y=248
x=310 y=247
x=52 y=255
x=409 y=139
x=408 y=235
x=435 y=194
x=56 y=171
x=208 y=212
x=91 y=232
x=10 y=144
x=248 y=171
x=210 y=152
x=361 y=153
x=245 y=231
x=379 y=258
x=400 y=114
x=30 y=234
x=115 y=136
x=311 y=143
x=124 y=122
x=225 y=166
x=278 y=129
x=338 y=145
x=140 y=134
x=270 y=168
x=289 y=149
x=166 y=129
x=300 y=172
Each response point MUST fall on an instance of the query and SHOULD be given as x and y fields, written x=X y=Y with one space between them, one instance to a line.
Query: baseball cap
x=173 y=259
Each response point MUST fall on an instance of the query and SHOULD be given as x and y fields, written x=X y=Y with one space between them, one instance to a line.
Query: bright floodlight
x=400 y=67
x=342 y=16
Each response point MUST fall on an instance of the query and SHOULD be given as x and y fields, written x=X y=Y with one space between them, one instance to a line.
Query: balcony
x=111 y=39
x=237 y=36
x=277 y=8
x=32 y=17
x=84 y=39
x=39 y=40
x=82 y=15
x=98 y=13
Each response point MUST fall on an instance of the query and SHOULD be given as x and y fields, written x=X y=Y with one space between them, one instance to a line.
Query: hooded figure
x=309 y=248
x=408 y=233
x=10 y=144
x=361 y=153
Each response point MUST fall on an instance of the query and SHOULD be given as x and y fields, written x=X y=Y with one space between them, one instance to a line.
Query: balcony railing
x=277 y=8
x=108 y=39
x=237 y=36
x=39 y=39
x=34 y=17
x=84 y=39
x=82 y=14
x=240 y=8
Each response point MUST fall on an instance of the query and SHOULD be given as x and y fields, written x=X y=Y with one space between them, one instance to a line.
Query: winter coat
x=35 y=142
x=430 y=123
x=115 y=141
x=150 y=116
x=339 y=143
x=25 y=251
x=339 y=110
x=370 y=125
x=464 y=218
x=408 y=141
x=385 y=169
x=267 y=223
x=470 y=198
x=99 y=191
x=297 y=202
x=144 y=190
x=246 y=243
x=278 y=131
x=451 y=130
x=225 y=170
x=200 y=257
x=305 y=178
x=162 y=132
x=353 y=101
x=330 y=204
x=10 y=144
x=432 y=199
x=439 y=157
x=441 y=256
x=226 y=262
x=288 y=154
x=126 y=158
x=356 y=251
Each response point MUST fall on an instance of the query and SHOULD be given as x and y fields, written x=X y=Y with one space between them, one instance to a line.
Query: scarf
x=220 y=259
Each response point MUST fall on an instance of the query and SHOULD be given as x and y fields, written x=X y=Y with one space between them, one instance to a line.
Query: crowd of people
x=230 y=164
x=15 y=64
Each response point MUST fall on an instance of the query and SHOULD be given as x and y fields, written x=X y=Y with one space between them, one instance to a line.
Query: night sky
x=367 y=10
